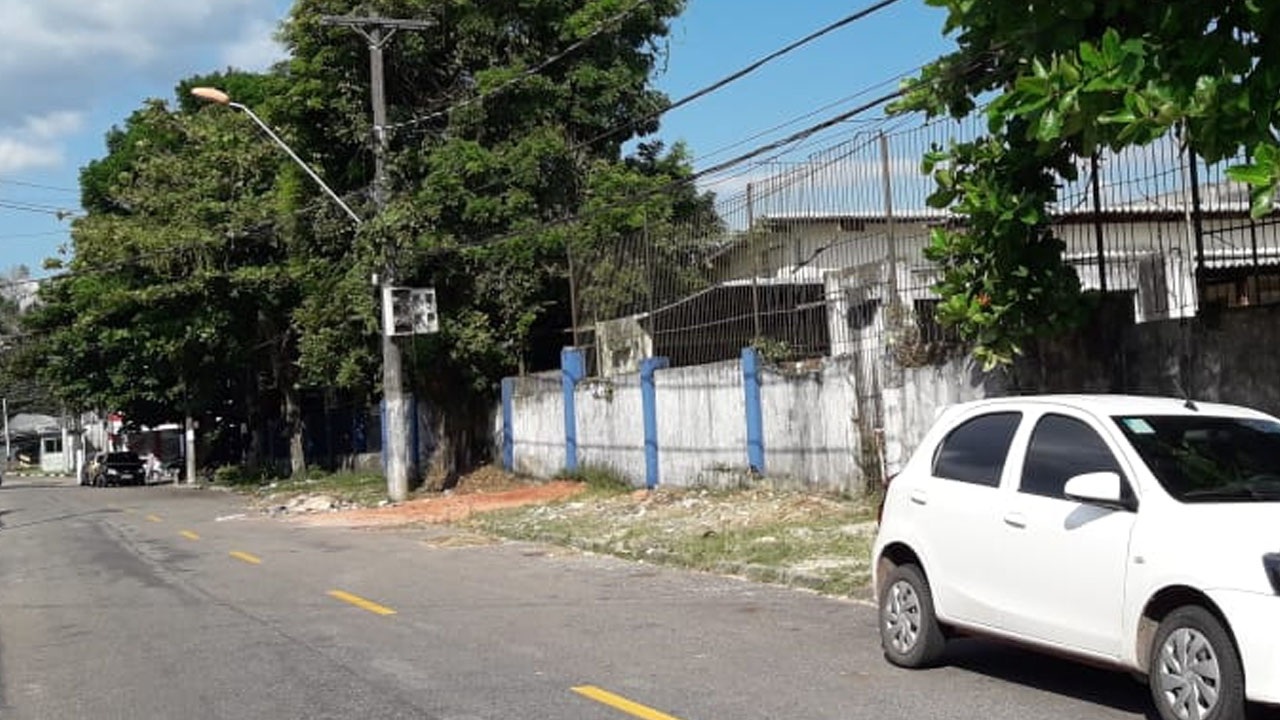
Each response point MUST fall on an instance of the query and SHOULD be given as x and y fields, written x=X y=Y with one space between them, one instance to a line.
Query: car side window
x=1062 y=447
x=975 y=451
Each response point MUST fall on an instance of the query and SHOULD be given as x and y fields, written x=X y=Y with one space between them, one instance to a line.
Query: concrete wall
x=538 y=427
x=838 y=424
x=610 y=425
x=702 y=431
x=811 y=436
x=911 y=407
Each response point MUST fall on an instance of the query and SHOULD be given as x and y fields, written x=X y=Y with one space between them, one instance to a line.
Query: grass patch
x=600 y=479
x=818 y=542
x=359 y=488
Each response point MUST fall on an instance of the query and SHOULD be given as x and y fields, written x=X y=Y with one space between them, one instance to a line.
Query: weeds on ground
x=813 y=541
x=600 y=479
x=360 y=488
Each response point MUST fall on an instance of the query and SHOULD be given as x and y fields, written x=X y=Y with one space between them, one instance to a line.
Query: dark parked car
x=116 y=468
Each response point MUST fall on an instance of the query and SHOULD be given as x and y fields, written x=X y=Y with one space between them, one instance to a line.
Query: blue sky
x=81 y=67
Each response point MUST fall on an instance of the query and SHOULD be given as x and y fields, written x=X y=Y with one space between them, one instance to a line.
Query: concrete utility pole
x=4 y=403
x=378 y=31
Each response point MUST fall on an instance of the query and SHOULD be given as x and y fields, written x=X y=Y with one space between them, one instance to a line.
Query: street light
x=219 y=97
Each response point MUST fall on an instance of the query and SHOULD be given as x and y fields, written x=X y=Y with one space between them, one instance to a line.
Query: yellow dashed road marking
x=154 y=518
x=617 y=702
x=189 y=535
x=246 y=557
x=360 y=602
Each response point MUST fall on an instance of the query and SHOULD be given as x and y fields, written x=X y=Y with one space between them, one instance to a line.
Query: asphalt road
x=129 y=603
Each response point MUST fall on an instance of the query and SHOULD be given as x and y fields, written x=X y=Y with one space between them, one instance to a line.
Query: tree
x=1067 y=79
x=207 y=268
x=475 y=188
x=180 y=294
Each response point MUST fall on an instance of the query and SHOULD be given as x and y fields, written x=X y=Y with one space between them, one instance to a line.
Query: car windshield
x=123 y=457
x=1209 y=459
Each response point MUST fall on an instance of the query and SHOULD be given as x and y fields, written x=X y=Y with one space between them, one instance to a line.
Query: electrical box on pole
x=409 y=311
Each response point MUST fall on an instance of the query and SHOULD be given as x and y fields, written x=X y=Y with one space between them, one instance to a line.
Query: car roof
x=1107 y=405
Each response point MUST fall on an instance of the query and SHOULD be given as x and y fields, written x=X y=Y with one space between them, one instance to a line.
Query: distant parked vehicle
x=1136 y=532
x=116 y=468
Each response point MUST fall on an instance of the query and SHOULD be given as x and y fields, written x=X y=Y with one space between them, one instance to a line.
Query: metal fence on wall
x=825 y=257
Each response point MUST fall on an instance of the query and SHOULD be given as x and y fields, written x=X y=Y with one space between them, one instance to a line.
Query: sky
x=71 y=69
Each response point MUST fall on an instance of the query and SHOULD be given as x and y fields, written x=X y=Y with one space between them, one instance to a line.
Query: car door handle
x=1014 y=519
x=920 y=497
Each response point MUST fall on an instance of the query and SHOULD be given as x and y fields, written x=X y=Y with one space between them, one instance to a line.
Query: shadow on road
x=1069 y=678
x=58 y=518
x=1051 y=674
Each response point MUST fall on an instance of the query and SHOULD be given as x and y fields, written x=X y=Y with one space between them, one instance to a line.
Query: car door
x=1064 y=561
x=958 y=511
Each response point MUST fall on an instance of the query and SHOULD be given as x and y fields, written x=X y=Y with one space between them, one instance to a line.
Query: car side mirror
x=1105 y=489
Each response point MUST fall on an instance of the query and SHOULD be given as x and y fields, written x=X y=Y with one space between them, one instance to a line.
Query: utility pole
x=4 y=409
x=891 y=234
x=378 y=31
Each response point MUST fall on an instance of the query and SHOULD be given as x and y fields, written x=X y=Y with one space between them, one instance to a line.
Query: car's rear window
x=975 y=451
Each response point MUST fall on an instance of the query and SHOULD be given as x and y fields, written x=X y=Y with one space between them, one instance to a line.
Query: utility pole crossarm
x=361 y=22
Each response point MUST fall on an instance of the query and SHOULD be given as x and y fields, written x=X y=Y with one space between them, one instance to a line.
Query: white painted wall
x=702 y=424
x=910 y=410
x=538 y=424
x=610 y=416
x=810 y=432
x=810 y=426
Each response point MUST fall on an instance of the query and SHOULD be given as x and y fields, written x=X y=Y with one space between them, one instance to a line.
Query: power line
x=38 y=186
x=20 y=236
x=745 y=71
x=800 y=118
x=60 y=213
x=134 y=260
x=599 y=30
x=695 y=176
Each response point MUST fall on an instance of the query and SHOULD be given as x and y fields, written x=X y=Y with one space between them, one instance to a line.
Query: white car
x=1143 y=533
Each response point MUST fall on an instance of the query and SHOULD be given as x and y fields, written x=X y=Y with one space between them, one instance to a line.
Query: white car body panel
x=1076 y=578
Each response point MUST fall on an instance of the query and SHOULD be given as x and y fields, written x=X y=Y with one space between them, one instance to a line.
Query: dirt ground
x=485 y=490
x=810 y=540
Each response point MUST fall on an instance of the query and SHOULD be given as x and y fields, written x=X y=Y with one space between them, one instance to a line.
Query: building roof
x=32 y=424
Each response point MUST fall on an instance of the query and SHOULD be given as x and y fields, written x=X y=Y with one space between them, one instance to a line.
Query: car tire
x=1194 y=671
x=909 y=629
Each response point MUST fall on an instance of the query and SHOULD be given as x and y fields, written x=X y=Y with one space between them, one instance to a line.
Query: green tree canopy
x=1066 y=79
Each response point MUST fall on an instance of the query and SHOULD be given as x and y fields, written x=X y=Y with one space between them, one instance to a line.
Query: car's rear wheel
x=909 y=630
x=1195 y=671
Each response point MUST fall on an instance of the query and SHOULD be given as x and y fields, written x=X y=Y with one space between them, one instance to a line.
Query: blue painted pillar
x=649 y=397
x=573 y=367
x=755 y=419
x=508 y=431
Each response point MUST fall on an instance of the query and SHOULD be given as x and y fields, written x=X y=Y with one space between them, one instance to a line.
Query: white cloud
x=37 y=142
x=256 y=49
x=55 y=125
x=17 y=155
x=61 y=59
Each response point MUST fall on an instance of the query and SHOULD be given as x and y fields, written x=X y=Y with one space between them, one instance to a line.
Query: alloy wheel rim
x=902 y=617
x=1189 y=674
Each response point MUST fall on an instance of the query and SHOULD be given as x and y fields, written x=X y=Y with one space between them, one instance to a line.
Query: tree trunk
x=292 y=412
x=190 y=448
x=293 y=420
x=462 y=433
x=253 y=447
